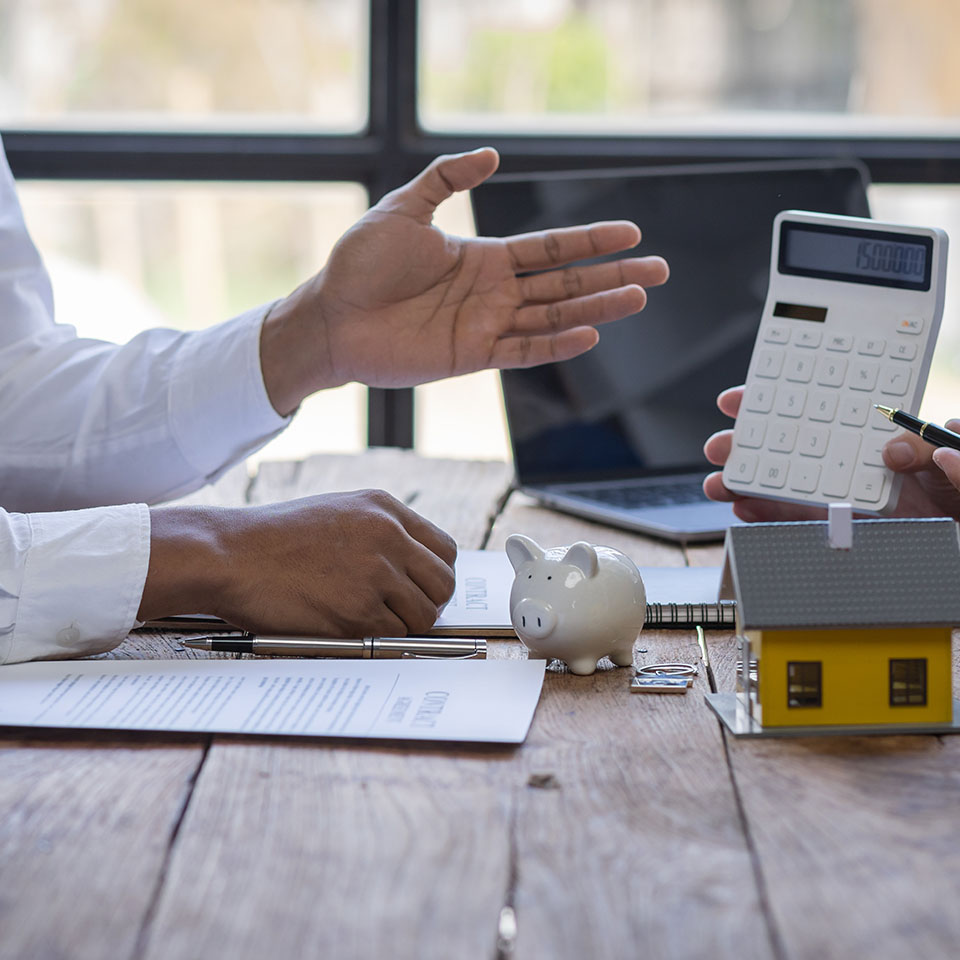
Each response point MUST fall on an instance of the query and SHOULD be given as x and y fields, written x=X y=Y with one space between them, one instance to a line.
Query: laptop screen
x=643 y=401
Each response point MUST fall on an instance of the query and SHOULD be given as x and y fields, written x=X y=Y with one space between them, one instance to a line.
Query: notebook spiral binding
x=687 y=615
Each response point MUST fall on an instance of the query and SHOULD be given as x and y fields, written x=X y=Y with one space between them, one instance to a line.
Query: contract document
x=484 y=701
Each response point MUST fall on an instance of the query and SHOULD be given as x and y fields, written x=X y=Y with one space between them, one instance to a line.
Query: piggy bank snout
x=534 y=618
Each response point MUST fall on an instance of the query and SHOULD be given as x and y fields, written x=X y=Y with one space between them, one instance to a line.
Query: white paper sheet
x=480 y=604
x=486 y=701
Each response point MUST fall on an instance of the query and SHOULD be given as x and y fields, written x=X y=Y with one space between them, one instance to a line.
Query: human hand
x=400 y=302
x=931 y=483
x=339 y=565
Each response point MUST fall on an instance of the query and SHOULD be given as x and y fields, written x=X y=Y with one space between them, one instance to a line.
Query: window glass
x=175 y=63
x=124 y=257
x=720 y=66
x=908 y=683
x=932 y=205
x=804 y=687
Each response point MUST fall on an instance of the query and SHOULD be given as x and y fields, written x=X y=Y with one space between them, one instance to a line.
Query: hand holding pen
x=931 y=475
x=929 y=457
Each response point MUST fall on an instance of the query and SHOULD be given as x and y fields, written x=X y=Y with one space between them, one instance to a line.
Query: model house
x=855 y=632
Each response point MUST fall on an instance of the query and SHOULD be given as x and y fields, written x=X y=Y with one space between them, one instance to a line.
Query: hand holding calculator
x=851 y=319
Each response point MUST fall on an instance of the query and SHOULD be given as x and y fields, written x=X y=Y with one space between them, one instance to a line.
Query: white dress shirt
x=87 y=425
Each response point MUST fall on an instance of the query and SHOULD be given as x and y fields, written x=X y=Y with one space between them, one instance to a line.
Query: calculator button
x=904 y=350
x=759 y=398
x=910 y=324
x=823 y=406
x=894 y=380
x=871 y=346
x=863 y=376
x=804 y=476
x=868 y=485
x=776 y=333
x=773 y=472
x=783 y=437
x=813 y=441
x=873 y=450
x=741 y=467
x=841 y=459
x=751 y=431
x=853 y=411
x=831 y=371
x=807 y=338
x=799 y=367
x=879 y=422
x=790 y=401
x=840 y=342
x=769 y=363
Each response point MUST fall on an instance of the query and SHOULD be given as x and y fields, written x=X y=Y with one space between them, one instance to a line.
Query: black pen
x=938 y=436
x=365 y=648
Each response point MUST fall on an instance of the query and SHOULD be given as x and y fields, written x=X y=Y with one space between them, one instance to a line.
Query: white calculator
x=851 y=319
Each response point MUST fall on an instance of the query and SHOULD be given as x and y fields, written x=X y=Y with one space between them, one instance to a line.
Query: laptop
x=617 y=434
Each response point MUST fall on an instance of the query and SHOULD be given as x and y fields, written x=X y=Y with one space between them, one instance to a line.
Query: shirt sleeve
x=85 y=423
x=70 y=582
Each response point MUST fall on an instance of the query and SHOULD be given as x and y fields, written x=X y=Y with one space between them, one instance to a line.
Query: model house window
x=804 y=688
x=908 y=683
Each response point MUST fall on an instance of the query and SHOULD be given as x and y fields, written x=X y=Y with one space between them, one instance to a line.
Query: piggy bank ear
x=583 y=556
x=521 y=549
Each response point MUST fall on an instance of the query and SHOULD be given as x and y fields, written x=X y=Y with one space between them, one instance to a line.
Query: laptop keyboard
x=645 y=495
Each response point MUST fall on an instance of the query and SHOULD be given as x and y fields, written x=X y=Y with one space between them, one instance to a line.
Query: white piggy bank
x=577 y=603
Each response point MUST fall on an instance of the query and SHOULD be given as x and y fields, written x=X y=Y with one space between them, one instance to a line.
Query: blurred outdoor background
x=127 y=255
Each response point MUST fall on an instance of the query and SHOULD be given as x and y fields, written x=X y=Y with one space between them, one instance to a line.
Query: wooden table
x=626 y=826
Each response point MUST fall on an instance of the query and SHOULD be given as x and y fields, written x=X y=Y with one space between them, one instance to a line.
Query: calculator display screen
x=876 y=257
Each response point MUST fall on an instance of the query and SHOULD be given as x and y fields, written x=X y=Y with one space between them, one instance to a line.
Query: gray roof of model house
x=785 y=575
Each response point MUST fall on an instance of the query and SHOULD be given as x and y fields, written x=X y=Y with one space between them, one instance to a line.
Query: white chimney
x=840 y=526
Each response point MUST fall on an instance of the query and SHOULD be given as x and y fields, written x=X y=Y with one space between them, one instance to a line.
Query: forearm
x=294 y=357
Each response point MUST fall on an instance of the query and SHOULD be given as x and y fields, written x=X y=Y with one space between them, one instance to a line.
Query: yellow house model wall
x=855 y=675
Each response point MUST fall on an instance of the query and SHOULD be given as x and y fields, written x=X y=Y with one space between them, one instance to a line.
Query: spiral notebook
x=677 y=597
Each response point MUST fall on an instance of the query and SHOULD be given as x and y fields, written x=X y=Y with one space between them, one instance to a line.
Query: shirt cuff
x=219 y=408
x=83 y=580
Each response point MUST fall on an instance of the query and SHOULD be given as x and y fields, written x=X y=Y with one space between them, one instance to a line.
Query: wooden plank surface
x=627 y=836
x=84 y=838
x=462 y=496
x=619 y=829
x=294 y=849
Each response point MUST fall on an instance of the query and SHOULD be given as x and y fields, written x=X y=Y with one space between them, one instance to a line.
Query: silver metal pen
x=365 y=648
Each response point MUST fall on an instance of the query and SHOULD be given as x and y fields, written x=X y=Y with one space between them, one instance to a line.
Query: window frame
x=394 y=147
x=806 y=684
x=911 y=684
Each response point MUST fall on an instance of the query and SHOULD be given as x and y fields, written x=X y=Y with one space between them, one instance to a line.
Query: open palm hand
x=400 y=302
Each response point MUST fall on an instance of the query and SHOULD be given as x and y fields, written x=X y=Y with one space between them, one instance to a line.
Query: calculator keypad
x=809 y=429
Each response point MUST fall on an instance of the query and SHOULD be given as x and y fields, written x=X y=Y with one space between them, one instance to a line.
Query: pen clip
x=406 y=655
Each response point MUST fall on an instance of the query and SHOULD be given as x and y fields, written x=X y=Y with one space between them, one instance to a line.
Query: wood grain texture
x=84 y=836
x=461 y=496
x=635 y=849
x=856 y=836
x=296 y=849
x=315 y=850
x=230 y=490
